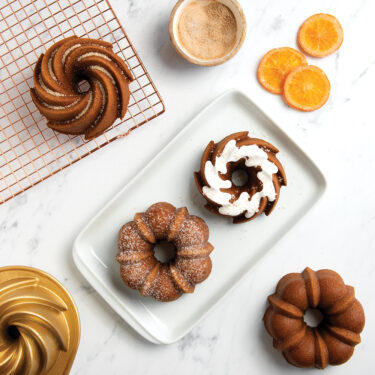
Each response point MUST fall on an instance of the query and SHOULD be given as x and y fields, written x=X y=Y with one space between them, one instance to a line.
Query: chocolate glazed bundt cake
x=164 y=281
x=333 y=340
x=57 y=77
x=257 y=159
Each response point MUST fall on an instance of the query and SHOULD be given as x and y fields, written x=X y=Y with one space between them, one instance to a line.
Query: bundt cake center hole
x=244 y=177
x=164 y=251
x=13 y=332
x=240 y=177
x=83 y=85
x=313 y=317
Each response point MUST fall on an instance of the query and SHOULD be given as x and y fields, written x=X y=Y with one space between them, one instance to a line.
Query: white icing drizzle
x=59 y=107
x=254 y=157
x=97 y=54
x=93 y=67
x=81 y=114
x=50 y=70
x=104 y=100
x=70 y=49
x=47 y=89
x=104 y=57
x=84 y=111
x=105 y=71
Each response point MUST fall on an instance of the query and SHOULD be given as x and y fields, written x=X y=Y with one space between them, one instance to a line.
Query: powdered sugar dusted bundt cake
x=333 y=340
x=164 y=281
x=257 y=160
x=57 y=75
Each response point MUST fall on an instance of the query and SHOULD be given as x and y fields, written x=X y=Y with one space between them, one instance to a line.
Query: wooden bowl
x=238 y=13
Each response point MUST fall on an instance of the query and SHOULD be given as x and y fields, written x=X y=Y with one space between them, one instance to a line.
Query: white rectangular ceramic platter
x=169 y=177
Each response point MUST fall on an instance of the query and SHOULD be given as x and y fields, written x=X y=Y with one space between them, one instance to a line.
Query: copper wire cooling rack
x=30 y=152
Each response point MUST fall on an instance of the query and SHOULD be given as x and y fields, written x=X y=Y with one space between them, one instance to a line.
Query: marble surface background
x=38 y=227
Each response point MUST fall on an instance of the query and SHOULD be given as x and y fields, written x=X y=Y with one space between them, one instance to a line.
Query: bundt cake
x=333 y=340
x=256 y=158
x=164 y=281
x=57 y=77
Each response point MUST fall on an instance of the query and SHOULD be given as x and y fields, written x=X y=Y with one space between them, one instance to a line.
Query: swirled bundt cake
x=39 y=324
x=257 y=159
x=164 y=281
x=333 y=340
x=57 y=76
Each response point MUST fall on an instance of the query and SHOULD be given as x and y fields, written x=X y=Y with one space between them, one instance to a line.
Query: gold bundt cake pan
x=39 y=323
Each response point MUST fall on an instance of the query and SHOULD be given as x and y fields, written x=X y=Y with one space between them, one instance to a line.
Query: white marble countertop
x=38 y=227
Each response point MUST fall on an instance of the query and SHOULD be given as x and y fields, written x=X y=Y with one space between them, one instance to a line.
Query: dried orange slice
x=320 y=35
x=276 y=65
x=306 y=88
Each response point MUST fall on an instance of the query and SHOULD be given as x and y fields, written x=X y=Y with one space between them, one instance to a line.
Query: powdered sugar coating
x=159 y=215
x=195 y=270
x=134 y=274
x=194 y=231
x=129 y=239
x=164 y=281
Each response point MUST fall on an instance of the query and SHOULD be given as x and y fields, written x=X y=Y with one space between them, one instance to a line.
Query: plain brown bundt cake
x=333 y=340
x=257 y=159
x=57 y=95
x=164 y=281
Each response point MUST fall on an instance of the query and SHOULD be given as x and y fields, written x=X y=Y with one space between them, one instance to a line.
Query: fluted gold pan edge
x=39 y=323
